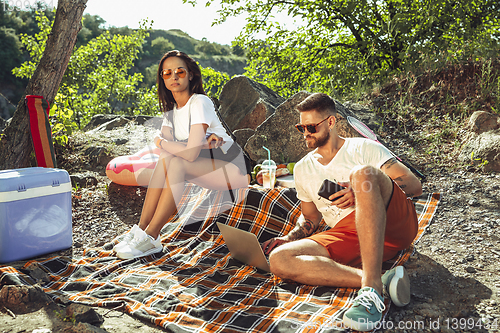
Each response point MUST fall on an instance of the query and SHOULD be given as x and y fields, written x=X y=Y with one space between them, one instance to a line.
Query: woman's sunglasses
x=167 y=73
x=310 y=128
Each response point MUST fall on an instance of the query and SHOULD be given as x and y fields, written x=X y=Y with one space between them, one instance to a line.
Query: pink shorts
x=342 y=242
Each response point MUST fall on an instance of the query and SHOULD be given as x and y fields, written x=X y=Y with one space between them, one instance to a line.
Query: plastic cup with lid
x=268 y=174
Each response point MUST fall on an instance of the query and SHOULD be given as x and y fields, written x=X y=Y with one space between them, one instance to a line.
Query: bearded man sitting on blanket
x=371 y=219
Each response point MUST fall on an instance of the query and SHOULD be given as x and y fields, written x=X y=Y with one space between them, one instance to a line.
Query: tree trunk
x=16 y=145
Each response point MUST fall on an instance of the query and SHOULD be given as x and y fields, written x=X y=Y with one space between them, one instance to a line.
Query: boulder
x=481 y=143
x=246 y=104
x=85 y=179
x=279 y=135
x=149 y=121
x=98 y=120
x=117 y=122
x=482 y=121
x=97 y=155
x=483 y=150
x=102 y=122
x=242 y=135
x=353 y=110
x=83 y=313
x=24 y=299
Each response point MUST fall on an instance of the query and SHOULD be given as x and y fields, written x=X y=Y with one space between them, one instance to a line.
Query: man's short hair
x=319 y=102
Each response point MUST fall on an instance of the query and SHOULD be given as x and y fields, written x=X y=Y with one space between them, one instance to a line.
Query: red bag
x=41 y=133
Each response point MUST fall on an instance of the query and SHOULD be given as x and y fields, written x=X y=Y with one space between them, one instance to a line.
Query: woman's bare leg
x=201 y=172
x=156 y=185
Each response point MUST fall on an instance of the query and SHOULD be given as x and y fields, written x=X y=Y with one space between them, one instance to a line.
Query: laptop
x=244 y=246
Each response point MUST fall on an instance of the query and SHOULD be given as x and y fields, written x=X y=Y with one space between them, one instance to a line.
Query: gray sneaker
x=397 y=284
x=127 y=238
x=140 y=246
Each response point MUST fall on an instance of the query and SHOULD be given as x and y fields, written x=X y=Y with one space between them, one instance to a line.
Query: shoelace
x=365 y=299
x=138 y=239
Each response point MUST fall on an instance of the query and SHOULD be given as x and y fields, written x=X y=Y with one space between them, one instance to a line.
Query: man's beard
x=318 y=142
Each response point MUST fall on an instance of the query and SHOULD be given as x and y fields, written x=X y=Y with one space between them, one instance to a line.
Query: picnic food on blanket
x=133 y=170
x=279 y=172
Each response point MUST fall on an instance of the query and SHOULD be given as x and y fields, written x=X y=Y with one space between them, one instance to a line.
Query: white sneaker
x=397 y=284
x=127 y=238
x=141 y=245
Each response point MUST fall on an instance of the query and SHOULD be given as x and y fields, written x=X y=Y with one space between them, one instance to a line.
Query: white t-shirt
x=202 y=111
x=309 y=173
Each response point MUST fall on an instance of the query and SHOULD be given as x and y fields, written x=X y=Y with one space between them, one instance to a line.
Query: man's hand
x=347 y=196
x=272 y=243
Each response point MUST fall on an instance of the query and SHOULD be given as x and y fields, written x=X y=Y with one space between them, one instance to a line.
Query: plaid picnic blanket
x=195 y=285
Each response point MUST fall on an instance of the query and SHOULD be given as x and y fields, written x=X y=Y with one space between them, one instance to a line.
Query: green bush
x=97 y=79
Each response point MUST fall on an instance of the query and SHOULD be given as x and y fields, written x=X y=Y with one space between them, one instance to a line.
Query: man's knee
x=279 y=261
x=366 y=177
x=370 y=180
x=365 y=172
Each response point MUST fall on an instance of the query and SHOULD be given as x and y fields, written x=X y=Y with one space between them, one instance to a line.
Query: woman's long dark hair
x=165 y=97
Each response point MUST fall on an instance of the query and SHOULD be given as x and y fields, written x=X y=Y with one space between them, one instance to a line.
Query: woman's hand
x=213 y=141
x=157 y=140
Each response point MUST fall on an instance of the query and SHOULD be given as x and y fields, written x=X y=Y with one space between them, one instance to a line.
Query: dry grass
x=423 y=115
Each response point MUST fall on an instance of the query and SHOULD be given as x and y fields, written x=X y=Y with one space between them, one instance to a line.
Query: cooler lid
x=27 y=178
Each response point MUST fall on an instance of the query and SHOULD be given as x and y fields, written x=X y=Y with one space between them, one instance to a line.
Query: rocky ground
x=455 y=270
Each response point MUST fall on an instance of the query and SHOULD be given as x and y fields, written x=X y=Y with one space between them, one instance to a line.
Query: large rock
x=482 y=121
x=98 y=120
x=278 y=132
x=104 y=122
x=482 y=141
x=84 y=314
x=23 y=299
x=279 y=135
x=242 y=135
x=357 y=111
x=246 y=104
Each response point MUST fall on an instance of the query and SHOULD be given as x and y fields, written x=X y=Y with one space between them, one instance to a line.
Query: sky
x=168 y=14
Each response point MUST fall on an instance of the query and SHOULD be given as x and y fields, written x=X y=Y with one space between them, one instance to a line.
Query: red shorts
x=342 y=242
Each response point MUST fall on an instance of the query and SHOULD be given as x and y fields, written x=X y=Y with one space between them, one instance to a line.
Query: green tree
x=213 y=81
x=96 y=80
x=343 y=43
x=161 y=45
x=91 y=28
x=10 y=52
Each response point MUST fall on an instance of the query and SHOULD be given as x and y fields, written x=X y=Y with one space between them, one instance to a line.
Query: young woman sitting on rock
x=195 y=147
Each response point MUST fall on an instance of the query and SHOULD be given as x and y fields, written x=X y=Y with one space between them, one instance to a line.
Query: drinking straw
x=268 y=153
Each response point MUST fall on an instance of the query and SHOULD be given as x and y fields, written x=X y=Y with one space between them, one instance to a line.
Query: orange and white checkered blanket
x=195 y=285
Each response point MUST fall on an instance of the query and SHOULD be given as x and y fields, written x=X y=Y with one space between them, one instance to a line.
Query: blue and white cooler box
x=35 y=212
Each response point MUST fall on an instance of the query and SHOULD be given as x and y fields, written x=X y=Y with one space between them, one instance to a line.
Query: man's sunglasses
x=167 y=73
x=310 y=128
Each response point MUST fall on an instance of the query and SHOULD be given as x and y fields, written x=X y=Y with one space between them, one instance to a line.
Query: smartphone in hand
x=328 y=188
